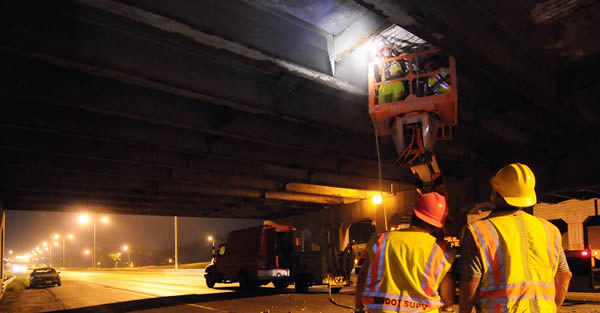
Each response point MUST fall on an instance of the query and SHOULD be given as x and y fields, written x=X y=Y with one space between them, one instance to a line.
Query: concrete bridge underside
x=258 y=109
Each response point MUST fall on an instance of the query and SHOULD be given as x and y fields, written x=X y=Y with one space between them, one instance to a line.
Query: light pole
x=126 y=249
x=45 y=244
x=176 y=261
x=84 y=219
x=87 y=252
x=211 y=238
x=70 y=236
x=212 y=251
x=52 y=242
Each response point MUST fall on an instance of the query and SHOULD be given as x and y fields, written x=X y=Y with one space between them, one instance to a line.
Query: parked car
x=44 y=277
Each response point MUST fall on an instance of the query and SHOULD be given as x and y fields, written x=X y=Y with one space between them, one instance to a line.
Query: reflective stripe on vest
x=519 y=263
x=414 y=285
x=397 y=303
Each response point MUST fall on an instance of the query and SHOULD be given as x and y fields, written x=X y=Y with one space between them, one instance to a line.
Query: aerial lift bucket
x=425 y=114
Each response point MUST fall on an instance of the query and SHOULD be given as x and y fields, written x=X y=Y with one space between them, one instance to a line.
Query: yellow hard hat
x=516 y=184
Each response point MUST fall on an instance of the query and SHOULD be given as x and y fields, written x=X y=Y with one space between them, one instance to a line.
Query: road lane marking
x=159 y=297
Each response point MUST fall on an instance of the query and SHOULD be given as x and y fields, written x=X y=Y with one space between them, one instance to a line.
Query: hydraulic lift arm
x=424 y=114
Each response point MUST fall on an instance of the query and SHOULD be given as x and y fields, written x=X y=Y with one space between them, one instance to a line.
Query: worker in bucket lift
x=437 y=84
x=512 y=261
x=393 y=91
x=408 y=270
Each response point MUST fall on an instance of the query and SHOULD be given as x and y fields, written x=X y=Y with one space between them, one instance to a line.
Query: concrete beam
x=358 y=33
x=173 y=26
x=331 y=191
x=358 y=182
x=303 y=197
x=73 y=89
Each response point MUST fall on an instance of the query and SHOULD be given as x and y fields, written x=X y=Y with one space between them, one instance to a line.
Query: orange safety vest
x=406 y=269
x=520 y=258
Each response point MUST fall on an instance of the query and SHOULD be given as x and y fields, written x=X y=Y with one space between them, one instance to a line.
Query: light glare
x=377 y=199
x=83 y=219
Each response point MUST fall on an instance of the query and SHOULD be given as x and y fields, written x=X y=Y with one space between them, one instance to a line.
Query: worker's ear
x=493 y=196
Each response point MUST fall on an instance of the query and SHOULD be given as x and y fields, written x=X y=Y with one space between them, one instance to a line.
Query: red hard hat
x=432 y=209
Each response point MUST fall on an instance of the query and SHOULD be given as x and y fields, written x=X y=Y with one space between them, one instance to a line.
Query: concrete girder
x=163 y=61
x=346 y=193
x=145 y=17
x=358 y=182
x=149 y=160
x=304 y=197
x=149 y=106
x=358 y=33
x=72 y=166
x=170 y=208
x=76 y=167
x=53 y=180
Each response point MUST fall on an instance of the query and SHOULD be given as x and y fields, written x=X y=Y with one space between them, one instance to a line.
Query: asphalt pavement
x=126 y=291
x=182 y=292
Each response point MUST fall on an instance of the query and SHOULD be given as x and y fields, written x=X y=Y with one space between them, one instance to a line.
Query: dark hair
x=434 y=231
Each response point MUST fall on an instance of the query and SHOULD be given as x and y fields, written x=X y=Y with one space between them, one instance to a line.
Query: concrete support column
x=576 y=238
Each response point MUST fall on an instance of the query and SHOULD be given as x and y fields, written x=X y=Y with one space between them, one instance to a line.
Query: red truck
x=254 y=256
x=271 y=253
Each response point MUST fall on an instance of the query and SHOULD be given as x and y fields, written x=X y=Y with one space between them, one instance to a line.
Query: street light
x=86 y=252
x=85 y=219
x=126 y=249
x=10 y=252
x=212 y=251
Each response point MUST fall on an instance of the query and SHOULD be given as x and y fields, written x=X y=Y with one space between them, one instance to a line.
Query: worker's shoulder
x=529 y=218
x=547 y=224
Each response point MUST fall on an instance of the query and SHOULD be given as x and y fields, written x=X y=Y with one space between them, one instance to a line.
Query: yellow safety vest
x=406 y=269
x=393 y=91
x=520 y=258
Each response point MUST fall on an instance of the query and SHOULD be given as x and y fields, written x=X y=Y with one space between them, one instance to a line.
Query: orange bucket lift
x=423 y=114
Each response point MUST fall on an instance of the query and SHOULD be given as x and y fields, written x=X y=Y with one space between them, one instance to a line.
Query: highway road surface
x=123 y=291
x=182 y=292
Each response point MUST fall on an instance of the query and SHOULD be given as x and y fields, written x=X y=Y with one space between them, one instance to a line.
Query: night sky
x=27 y=229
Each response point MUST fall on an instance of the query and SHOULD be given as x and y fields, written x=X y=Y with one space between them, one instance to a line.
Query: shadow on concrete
x=165 y=302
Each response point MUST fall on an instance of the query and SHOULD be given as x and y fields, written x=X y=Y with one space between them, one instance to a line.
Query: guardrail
x=5 y=284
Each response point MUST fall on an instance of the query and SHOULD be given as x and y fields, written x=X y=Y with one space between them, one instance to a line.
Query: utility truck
x=271 y=254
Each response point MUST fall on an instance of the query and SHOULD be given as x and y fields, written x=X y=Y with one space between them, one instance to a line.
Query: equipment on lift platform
x=423 y=113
